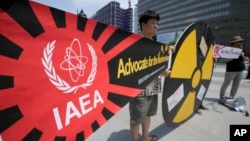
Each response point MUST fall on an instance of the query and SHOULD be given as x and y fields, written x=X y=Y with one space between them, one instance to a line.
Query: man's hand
x=166 y=72
x=172 y=48
x=245 y=58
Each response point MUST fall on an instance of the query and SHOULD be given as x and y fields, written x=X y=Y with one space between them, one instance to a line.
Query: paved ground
x=212 y=125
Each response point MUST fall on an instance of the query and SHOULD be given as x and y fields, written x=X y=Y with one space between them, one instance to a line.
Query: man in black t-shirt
x=234 y=69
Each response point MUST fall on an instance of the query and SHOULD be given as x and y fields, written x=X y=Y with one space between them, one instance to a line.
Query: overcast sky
x=89 y=7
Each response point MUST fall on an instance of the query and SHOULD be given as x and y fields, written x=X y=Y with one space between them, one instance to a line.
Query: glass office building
x=225 y=17
x=113 y=14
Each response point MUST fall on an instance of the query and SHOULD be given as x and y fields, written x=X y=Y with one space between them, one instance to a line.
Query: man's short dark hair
x=147 y=15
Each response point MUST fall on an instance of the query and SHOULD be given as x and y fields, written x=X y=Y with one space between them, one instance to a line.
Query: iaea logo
x=74 y=62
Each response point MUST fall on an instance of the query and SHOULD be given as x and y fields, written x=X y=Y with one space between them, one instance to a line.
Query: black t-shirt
x=235 y=65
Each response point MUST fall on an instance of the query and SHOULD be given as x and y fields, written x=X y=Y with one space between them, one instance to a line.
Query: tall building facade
x=225 y=17
x=113 y=14
x=136 y=19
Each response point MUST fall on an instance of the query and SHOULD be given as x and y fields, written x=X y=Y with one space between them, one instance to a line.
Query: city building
x=113 y=14
x=225 y=17
x=82 y=14
x=136 y=19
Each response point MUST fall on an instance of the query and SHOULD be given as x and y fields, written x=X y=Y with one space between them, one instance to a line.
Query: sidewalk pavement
x=212 y=125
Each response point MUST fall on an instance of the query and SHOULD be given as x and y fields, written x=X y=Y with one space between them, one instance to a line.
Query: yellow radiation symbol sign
x=191 y=74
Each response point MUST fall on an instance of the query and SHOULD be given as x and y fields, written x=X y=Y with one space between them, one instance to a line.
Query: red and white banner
x=63 y=76
x=221 y=51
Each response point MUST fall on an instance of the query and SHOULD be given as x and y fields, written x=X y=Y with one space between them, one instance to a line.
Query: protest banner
x=63 y=76
x=221 y=51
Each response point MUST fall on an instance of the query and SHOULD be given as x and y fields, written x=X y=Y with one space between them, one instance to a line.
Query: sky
x=89 y=7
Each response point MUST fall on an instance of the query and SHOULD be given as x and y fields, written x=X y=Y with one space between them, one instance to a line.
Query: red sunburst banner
x=63 y=76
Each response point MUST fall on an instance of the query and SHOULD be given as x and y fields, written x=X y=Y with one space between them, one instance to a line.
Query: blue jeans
x=231 y=76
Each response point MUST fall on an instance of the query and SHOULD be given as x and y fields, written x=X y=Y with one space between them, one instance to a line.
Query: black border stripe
x=60 y=138
x=81 y=23
x=95 y=126
x=119 y=100
x=21 y=11
x=33 y=135
x=5 y=5
x=6 y=82
x=107 y=113
x=59 y=17
x=99 y=28
x=114 y=39
x=80 y=136
x=9 y=49
x=9 y=116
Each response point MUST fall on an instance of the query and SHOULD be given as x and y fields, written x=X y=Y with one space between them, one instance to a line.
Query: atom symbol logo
x=73 y=62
